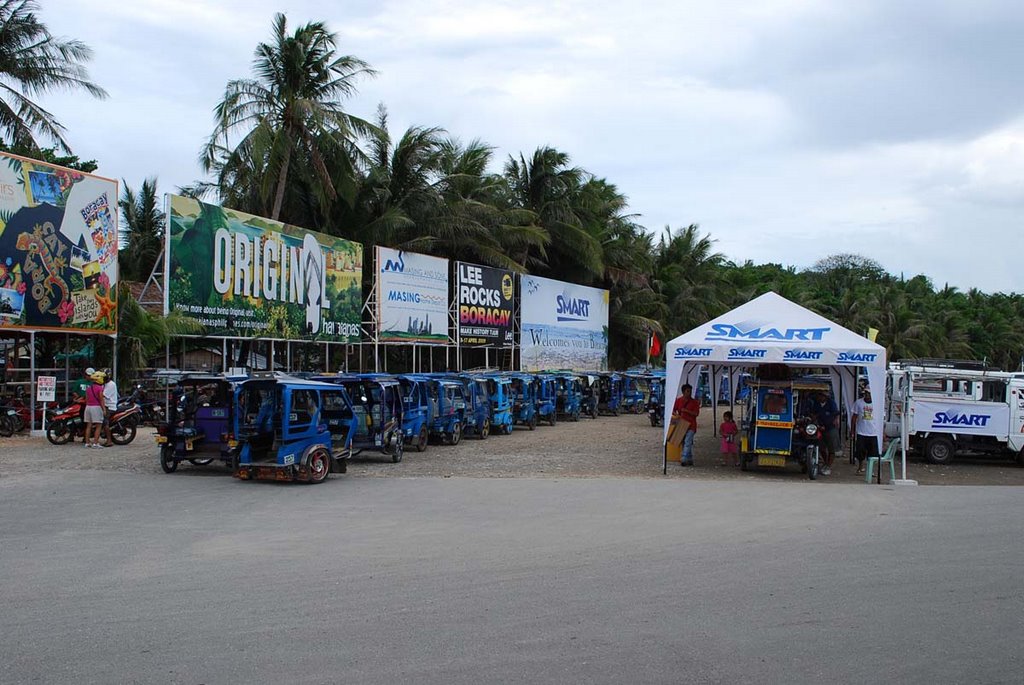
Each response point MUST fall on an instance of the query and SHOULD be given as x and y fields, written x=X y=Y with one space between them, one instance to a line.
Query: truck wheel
x=421 y=443
x=1020 y=457
x=167 y=461
x=939 y=450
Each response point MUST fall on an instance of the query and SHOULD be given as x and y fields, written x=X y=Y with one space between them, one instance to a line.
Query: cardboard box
x=677 y=429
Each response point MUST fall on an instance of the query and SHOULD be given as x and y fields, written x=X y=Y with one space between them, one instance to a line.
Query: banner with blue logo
x=563 y=325
x=971 y=418
x=412 y=297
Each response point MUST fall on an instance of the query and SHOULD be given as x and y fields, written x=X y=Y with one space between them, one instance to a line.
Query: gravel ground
x=609 y=447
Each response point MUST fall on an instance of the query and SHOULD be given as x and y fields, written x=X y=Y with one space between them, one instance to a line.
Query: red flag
x=655 y=345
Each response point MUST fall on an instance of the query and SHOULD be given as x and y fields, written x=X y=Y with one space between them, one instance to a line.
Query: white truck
x=954 y=408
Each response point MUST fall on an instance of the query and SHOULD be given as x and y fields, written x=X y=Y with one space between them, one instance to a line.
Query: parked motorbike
x=66 y=424
x=152 y=411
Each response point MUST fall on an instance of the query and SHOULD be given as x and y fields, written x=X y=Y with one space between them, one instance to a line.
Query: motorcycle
x=66 y=424
x=152 y=411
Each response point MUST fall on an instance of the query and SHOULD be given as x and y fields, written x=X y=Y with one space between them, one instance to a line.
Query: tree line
x=284 y=145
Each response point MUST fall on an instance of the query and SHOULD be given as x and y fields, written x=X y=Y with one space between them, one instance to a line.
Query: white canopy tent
x=772 y=330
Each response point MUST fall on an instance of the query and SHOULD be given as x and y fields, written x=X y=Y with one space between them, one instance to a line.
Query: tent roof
x=771 y=329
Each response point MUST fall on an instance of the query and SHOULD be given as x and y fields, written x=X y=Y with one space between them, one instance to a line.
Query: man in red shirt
x=686 y=408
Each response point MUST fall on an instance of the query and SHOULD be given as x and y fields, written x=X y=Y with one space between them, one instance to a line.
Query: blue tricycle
x=524 y=399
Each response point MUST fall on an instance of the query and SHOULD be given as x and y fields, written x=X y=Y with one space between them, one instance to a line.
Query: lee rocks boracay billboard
x=563 y=326
x=245 y=276
x=412 y=297
x=58 y=248
x=484 y=297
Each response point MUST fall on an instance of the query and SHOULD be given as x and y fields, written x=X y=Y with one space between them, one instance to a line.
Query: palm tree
x=290 y=118
x=142 y=230
x=33 y=62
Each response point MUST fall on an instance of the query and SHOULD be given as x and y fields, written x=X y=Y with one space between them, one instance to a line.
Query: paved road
x=161 y=579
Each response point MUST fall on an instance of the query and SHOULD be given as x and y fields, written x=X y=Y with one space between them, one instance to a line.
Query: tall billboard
x=245 y=276
x=563 y=325
x=412 y=297
x=484 y=298
x=58 y=248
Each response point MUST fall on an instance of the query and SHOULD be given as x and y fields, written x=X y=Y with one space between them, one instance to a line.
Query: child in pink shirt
x=729 y=432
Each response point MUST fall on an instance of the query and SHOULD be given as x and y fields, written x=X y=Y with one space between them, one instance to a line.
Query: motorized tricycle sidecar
x=609 y=400
x=199 y=425
x=524 y=399
x=547 y=398
x=568 y=396
x=478 y=414
x=291 y=429
x=777 y=429
x=378 y=408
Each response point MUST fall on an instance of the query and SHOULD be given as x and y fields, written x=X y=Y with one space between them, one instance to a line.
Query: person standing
x=826 y=415
x=81 y=386
x=109 y=404
x=863 y=426
x=730 y=433
x=686 y=408
x=93 y=413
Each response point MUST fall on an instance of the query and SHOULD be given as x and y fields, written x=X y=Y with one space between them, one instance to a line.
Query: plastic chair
x=889 y=457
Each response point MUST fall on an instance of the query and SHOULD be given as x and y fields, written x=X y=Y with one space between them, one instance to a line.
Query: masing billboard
x=245 y=276
x=564 y=326
x=412 y=297
x=484 y=298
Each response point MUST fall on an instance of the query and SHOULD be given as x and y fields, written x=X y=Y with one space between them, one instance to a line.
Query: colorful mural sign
x=484 y=297
x=412 y=297
x=563 y=326
x=244 y=276
x=58 y=248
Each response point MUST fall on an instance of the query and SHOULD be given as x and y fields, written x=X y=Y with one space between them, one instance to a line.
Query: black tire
x=615 y=412
x=319 y=465
x=654 y=420
x=6 y=427
x=399 y=452
x=532 y=423
x=123 y=434
x=508 y=429
x=59 y=432
x=553 y=419
x=423 y=440
x=484 y=431
x=456 y=435
x=812 y=462
x=167 y=461
x=939 y=450
x=1020 y=457
x=200 y=462
x=576 y=416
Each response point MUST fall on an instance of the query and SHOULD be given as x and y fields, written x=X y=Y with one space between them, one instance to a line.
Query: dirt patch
x=608 y=447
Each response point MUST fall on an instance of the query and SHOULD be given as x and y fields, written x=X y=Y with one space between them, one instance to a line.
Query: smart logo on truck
x=952 y=419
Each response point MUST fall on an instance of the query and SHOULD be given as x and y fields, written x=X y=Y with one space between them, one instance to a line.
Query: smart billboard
x=242 y=275
x=563 y=325
x=484 y=298
x=58 y=248
x=412 y=297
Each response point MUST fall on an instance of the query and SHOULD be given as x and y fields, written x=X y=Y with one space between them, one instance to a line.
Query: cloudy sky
x=788 y=129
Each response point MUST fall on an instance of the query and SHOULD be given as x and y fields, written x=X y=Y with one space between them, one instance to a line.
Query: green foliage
x=142 y=231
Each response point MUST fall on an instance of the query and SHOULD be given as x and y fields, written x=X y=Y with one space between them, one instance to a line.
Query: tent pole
x=32 y=377
x=67 y=367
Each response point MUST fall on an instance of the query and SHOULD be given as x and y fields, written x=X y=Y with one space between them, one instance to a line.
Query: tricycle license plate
x=161 y=440
x=771 y=461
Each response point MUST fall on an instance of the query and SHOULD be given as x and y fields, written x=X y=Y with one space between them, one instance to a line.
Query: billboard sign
x=412 y=297
x=58 y=248
x=245 y=276
x=484 y=297
x=563 y=325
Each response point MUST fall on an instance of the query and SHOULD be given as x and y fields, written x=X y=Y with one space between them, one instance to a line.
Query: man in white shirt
x=863 y=426
x=109 y=404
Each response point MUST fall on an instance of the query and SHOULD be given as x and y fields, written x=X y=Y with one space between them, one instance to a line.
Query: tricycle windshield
x=260 y=407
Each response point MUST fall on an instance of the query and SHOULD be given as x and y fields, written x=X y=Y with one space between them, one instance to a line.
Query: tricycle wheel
x=424 y=438
x=508 y=429
x=167 y=461
x=485 y=430
x=319 y=465
x=456 y=437
x=638 y=408
x=615 y=411
x=576 y=415
x=553 y=419
x=532 y=423
x=200 y=462
x=396 y=456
